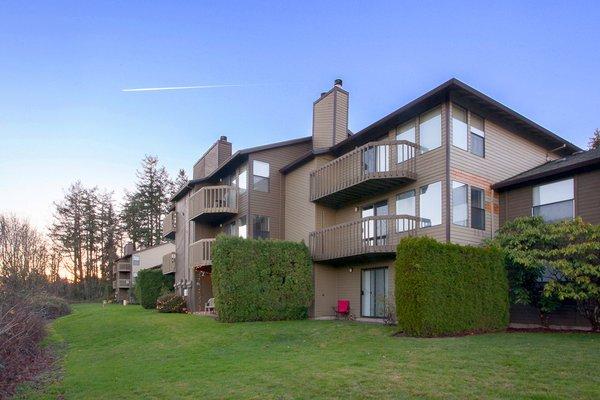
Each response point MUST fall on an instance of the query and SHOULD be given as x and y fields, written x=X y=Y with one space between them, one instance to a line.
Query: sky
x=63 y=66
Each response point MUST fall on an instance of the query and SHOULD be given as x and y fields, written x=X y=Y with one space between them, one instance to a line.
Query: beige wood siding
x=341 y=115
x=516 y=203
x=300 y=213
x=325 y=278
x=506 y=155
x=587 y=196
x=271 y=203
x=323 y=122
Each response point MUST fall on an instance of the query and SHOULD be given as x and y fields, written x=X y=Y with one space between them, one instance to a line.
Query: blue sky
x=63 y=65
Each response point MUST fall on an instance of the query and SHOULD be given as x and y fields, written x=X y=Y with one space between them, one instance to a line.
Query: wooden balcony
x=213 y=203
x=123 y=283
x=361 y=239
x=372 y=168
x=168 y=263
x=121 y=266
x=201 y=253
x=169 y=225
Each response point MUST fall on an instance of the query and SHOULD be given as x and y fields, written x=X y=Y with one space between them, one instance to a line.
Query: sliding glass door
x=374 y=292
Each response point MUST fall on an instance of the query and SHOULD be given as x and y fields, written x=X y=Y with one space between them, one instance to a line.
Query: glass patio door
x=374 y=232
x=374 y=292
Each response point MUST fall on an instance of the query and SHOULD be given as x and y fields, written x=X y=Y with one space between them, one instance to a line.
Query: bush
x=150 y=284
x=261 y=280
x=48 y=306
x=448 y=289
x=170 y=303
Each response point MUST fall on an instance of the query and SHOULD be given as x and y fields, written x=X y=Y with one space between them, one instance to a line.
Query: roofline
x=511 y=183
x=439 y=91
x=238 y=154
x=309 y=155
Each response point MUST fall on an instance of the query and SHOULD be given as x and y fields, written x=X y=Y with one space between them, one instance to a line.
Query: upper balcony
x=123 y=283
x=122 y=266
x=213 y=203
x=168 y=263
x=361 y=239
x=201 y=253
x=169 y=225
x=371 y=168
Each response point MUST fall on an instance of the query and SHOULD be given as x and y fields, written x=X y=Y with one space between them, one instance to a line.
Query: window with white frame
x=460 y=130
x=430 y=204
x=260 y=176
x=476 y=127
x=554 y=201
x=430 y=130
x=405 y=205
x=243 y=228
x=460 y=204
x=406 y=132
x=243 y=181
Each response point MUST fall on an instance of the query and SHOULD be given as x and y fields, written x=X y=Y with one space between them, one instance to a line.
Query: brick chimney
x=214 y=157
x=330 y=117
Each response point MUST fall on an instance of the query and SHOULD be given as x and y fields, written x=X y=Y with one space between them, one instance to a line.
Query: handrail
x=213 y=199
x=201 y=253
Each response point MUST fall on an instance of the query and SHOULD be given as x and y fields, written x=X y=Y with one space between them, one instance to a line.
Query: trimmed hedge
x=150 y=284
x=261 y=280
x=448 y=289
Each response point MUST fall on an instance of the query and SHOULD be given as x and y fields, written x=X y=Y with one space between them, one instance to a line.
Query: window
x=430 y=130
x=460 y=207
x=374 y=230
x=242 y=228
x=230 y=229
x=459 y=127
x=260 y=176
x=405 y=205
x=243 y=181
x=477 y=136
x=406 y=132
x=135 y=260
x=477 y=208
x=554 y=201
x=430 y=204
x=260 y=227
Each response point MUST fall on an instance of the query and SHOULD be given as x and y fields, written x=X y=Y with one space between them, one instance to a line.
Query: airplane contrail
x=156 y=89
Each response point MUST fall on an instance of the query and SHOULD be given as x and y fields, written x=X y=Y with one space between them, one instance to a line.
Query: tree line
x=88 y=231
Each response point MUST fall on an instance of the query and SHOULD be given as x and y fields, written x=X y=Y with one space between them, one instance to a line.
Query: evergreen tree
x=594 y=142
x=180 y=180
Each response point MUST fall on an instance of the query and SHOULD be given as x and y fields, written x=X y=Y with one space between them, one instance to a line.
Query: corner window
x=260 y=227
x=260 y=176
x=406 y=132
x=430 y=204
x=460 y=131
x=477 y=136
x=477 y=208
x=554 y=201
x=405 y=205
x=243 y=228
x=243 y=181
x=430 y=130
x=460 y=208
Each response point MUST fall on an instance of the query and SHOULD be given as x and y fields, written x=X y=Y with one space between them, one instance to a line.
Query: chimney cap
x=223 y=138
x=338 y=82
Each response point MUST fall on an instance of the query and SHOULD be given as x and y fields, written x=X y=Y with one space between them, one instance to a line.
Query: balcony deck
x=361 y=239
x=371 y=168
x=121 y=266
x=213 y=204
x=169 y=225
x=123 y=283
x=201 y=253
x=168 y=263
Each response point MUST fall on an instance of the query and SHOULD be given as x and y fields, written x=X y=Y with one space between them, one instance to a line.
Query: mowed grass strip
x=132 y=353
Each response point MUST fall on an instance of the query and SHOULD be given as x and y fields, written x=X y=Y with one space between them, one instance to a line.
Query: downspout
x=447 y=205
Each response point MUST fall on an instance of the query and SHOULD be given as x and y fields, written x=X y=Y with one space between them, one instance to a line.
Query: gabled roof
x=237 y=158
x=582 y=161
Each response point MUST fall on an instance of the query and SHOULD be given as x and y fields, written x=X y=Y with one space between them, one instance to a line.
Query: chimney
x=128 y=249
x=330 y=117
x=214 y=157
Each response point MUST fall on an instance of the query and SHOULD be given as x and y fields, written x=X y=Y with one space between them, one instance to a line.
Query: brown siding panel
x=587 y=196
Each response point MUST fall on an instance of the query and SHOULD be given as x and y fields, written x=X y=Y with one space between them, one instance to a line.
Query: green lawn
x=129 y=353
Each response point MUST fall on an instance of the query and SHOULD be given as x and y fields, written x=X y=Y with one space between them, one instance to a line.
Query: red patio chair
x=342 y=309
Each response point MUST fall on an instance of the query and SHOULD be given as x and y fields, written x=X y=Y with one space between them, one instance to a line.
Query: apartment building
x=126 y=268
x=428 y=168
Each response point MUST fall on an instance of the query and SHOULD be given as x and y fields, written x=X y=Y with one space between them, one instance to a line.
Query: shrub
x=48 y=306
x=448 y=289
x=170 y=303
x=261 y=280
x=150 y=284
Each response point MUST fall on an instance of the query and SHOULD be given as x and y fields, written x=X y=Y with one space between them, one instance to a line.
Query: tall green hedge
x=261 y=280
x=446 y=289
x=150 y=284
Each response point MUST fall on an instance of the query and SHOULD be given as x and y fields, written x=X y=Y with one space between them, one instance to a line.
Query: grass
x=131 y=353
